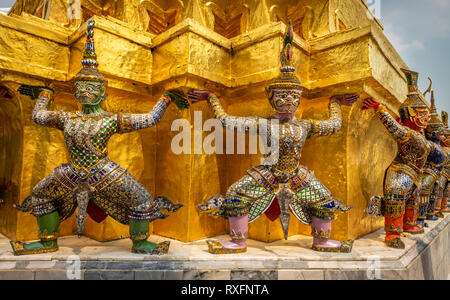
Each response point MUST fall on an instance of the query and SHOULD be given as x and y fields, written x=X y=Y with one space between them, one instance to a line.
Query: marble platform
x=426 y=257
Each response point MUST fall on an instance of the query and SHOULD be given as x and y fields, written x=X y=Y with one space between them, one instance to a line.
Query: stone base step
x=426 y=257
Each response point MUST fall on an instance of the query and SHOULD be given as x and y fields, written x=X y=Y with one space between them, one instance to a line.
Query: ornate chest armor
x=292 y=138
x=413 y=148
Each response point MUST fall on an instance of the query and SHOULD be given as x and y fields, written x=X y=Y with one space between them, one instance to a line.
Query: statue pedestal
x=426 y=257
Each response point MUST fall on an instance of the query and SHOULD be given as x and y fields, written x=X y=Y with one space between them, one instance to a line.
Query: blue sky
x=6 y=3
x=420 y=31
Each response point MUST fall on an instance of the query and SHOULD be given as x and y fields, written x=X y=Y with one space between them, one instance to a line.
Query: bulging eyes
x=425 y=116
x=86 y=87
x=284 y=96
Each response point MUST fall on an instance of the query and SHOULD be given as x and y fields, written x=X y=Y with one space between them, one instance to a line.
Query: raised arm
x=231 y=122
x=334 y=123
x=398 y=131
x=129 y=122
x=41 y=113
x=228 y=122
x=330 y=126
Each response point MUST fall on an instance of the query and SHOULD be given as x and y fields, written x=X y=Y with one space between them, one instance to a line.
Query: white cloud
x=400 y=41
x=445 y=4
x=420 y=31
x=4 y=10
x=429 y=19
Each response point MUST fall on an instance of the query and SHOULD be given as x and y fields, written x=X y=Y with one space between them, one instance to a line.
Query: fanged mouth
x=421 y=124
x=84 y=95
x=287 y=108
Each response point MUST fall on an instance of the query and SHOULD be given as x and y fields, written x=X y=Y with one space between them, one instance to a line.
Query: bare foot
x=234 y=244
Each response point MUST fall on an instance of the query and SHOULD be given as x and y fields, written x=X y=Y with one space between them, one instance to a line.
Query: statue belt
x=407 y=169
x=98 y=176
x=284 y=176
x=446 y=173
x=84 y=173
x=432 y=172
x=298 y=179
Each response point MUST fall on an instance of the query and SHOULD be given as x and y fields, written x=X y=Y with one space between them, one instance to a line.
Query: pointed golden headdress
x=415 y=99
x=89 y=61
x=436 y=121
x=287 y=79
x=444 y=116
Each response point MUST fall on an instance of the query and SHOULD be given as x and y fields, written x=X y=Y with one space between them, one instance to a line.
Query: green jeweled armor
x=444 y=178
x=90 y=170
x=90 y=177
